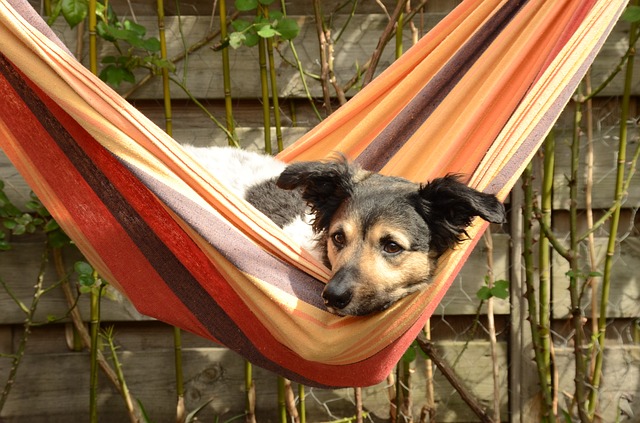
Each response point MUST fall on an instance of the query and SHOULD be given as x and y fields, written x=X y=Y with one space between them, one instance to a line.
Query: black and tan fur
x=381 y=236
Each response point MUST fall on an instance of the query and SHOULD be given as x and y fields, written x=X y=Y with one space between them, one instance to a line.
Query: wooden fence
x=52 y=382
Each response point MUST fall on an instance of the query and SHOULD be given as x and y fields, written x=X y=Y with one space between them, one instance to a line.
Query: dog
x=381 y=236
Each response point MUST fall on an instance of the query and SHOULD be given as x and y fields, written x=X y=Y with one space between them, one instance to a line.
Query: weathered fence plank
x=351 y=52
x=624 y=296
x=59 y=379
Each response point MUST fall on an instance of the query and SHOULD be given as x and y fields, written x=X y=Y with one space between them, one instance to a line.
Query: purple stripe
x=544 y=125
x=415 y=114
x=234 y=246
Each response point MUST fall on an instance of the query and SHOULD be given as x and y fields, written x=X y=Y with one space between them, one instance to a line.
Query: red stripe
x=79 y=206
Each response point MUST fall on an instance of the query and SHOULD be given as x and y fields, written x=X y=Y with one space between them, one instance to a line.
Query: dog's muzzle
x=338 y=293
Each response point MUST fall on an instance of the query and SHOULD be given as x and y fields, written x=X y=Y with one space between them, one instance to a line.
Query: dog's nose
x=336 y=297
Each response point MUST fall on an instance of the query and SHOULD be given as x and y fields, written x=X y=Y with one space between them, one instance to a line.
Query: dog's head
x=382 y=234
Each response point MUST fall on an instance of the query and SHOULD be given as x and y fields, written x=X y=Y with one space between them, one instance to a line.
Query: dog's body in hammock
x=381 y=236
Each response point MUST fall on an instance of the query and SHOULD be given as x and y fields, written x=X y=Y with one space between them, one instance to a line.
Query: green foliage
x=88 y=278
x=20 y=222
x=73 y=11
x=135 y=49
x=412 y=353
x=264 y=25
x=500 y=290
x=631 y=14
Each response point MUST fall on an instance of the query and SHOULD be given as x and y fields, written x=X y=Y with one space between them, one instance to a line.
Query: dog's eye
x=392 y=247
x=338 y=239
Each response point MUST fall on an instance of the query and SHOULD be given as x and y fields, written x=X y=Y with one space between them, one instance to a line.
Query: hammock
x=475 y=96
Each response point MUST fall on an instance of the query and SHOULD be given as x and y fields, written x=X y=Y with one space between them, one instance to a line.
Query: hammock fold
x=475 y=96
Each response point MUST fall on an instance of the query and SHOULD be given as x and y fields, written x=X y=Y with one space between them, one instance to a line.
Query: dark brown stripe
x=236 y=248
x=167 y=265
x=378 y=153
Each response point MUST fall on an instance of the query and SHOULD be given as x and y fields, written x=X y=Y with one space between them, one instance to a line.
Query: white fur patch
x=240 y=169
x=235 y=168
x=301 y=231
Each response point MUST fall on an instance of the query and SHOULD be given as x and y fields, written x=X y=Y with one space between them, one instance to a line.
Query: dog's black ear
x=448 y=206
x=324 y=186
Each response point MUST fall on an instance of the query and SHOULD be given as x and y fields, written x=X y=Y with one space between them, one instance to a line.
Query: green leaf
x=275 y=16
x=135 y=28
x=246 y=5
x=58 y=239
x=266 y=2
x=267 y=32
x=83 y=268
x=251 y=39
x=409 y=355
x=74 y=11
x=500 y=292
x=631 y=14
x=19 y=229
x=55 y=13
x=567 y=416
x=236 y=39
x=161 y=63
x=288 y=28
x=240 y=25
x=152 y=45
x=484 y=293
x=501 y=289
x=115 y=75
x=104 y=31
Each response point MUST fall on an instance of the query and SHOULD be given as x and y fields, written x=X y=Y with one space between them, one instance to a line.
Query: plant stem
x=303 y=404
x=488 y=238
x=108 y=336
x=298 y=66
x=230 y=136
x=467 y=397
x=324 y=55
x=399 y=28
x=226 y=76
x=166 y=92
x=615 y=219
x=28 y=323
x=94 y=326
x=250 y=389
x=382 y=42
x=357 y=392
x=428 y=364
x=592 y=280
x=93 y=42
x=577 y=315
x=633 y=38
x=282 y=405
x=136 y=415
x=275 y=101
x=181 y=412
x=264 y=85
x=533 y=309
x=544 y=262
x=290 y=402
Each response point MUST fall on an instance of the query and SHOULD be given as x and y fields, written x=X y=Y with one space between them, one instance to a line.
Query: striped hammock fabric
x=475 y=96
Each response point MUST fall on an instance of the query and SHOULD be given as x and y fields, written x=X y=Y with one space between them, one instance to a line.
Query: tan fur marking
x=382 y=276
x=389 y=273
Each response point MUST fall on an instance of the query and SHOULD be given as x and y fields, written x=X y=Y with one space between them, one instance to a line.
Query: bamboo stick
x=615 y=220
x=226 y=77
